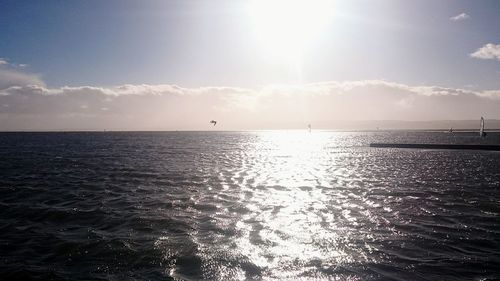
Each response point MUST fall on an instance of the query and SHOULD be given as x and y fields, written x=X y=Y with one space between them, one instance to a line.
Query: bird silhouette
x=213 y=122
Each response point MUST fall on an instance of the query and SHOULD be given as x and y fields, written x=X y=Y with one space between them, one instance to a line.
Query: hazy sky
x=250 y=64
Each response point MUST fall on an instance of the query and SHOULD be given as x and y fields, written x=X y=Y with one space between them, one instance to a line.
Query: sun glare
x=284 y=27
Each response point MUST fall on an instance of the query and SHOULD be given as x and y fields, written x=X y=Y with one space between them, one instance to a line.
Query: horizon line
x=444 y=130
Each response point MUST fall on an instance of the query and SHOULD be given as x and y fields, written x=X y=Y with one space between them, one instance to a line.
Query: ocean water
x=277 y=205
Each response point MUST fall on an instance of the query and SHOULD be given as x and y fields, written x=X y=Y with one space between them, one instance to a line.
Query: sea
x=260 y=205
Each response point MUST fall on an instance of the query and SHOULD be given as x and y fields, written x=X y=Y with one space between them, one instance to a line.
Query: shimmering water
x=247 y=205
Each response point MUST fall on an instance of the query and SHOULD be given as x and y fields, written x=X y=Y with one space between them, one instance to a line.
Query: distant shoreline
x=458 y=131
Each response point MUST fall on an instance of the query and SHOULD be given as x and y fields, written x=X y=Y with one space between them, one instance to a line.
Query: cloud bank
x=11 y=75
x=488 y=51
x=460 y=17
x=27 y=104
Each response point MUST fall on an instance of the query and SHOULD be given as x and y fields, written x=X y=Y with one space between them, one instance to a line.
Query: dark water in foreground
x=264 y=205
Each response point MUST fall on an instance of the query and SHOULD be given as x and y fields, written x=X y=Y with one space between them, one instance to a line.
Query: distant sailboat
x=482 y=133
x=309 y=127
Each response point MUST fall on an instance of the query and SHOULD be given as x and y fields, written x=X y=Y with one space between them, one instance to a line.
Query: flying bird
x=213 y=122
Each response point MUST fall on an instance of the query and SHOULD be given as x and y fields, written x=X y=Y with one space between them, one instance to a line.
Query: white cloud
x=26 y=103
x=11 y=77
x=488 y=51
x=170 y=107
x=5 y=62
x=460 y=17
x=493 y=94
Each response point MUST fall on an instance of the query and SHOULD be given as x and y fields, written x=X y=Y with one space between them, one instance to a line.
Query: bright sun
x=284 y=27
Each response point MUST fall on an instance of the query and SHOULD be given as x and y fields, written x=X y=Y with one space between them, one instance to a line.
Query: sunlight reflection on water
x=295 y=221
x=296 y=226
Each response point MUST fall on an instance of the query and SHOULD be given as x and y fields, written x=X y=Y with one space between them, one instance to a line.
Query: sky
x=256 y=64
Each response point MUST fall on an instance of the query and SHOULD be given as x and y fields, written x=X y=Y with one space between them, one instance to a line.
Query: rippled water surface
x=247 y=205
